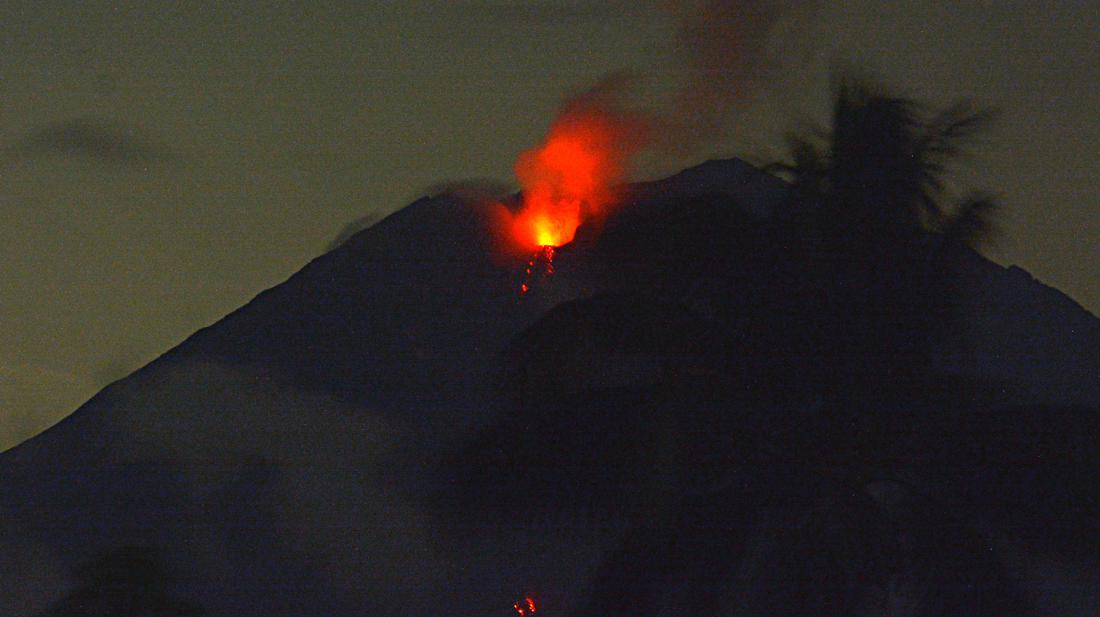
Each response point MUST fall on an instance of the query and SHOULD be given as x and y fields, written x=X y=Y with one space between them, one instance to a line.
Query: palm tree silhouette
x=879 y=175
x=874 y=204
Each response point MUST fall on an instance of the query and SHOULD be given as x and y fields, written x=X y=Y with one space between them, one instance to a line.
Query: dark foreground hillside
x=700 y=412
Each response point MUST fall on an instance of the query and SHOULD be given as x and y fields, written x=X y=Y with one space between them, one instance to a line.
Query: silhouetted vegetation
x=879 y=174
x=772 y=422
x=871 y=212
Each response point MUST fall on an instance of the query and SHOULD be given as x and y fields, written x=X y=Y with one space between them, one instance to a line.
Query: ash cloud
x=724 y=43
x=727 y=52
x=730 y=50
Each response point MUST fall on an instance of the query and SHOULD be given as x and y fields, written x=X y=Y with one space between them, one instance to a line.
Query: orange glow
x=540 y=266
x=571 y=177
x=525 y=607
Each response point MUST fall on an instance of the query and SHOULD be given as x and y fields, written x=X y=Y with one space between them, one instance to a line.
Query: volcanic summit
x=694 y=412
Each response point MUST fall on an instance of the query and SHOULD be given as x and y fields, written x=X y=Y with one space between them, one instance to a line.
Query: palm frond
x=881 y=170
x=948 y=133
x=973 y=221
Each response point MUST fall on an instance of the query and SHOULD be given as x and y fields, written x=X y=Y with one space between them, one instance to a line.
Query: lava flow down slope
x=669 y=424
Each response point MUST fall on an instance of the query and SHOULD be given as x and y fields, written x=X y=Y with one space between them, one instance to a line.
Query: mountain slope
x=393 y=430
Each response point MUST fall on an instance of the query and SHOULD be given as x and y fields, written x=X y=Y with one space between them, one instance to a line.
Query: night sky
x=160 y=166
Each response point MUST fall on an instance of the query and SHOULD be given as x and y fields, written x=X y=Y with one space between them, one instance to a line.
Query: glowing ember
x=525 y=607
x=540 y=266
x=572 y=175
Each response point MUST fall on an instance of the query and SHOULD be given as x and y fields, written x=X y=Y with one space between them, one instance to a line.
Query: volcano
x=692 y=414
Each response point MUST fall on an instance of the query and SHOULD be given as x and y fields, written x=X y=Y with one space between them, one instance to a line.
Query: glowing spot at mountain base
x=525 y=607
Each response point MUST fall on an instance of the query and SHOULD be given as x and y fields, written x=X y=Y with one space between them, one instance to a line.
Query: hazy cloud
x=729 y=50
x=95 y=138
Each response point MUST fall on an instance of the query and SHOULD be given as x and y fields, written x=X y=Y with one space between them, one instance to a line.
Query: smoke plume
x=573 y=174
x=726 y=50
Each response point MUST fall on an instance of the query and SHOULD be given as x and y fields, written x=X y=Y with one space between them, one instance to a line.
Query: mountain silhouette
x=681 y=418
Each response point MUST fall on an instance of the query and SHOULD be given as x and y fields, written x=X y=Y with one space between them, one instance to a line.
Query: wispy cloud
x=90 y=137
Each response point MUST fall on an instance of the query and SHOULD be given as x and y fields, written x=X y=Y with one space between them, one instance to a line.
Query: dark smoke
x=730 y=50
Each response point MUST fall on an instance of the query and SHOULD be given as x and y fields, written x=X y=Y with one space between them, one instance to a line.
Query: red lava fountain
x=571 y=177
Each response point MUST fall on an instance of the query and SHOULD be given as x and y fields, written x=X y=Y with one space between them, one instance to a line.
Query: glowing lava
x=539 y=267
x=525 y=607
x=571 y=177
